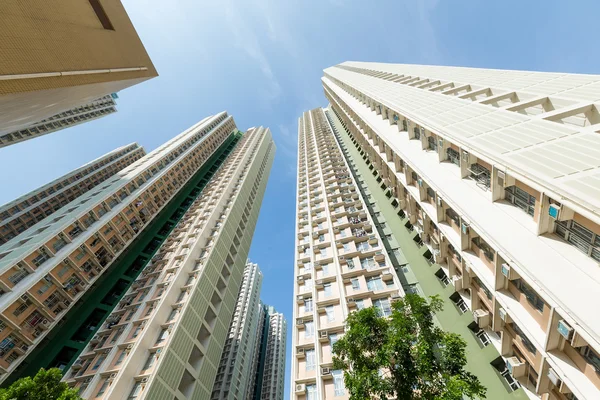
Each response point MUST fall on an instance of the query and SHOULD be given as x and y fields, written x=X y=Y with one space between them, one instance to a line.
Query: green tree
x=45 y=385
x=404 y=356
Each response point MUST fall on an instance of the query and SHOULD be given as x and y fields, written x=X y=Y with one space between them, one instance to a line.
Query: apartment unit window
x=309 y=329
x=135 y=392
x=374 y=284
x=164 y=334
x=323 y=252
x=333 y=338
x=481 y=175
x=360 y=304
x=41 y=258
x=321 y=238
x=327 y=289
x=149 y=361
x=102 y=388
x=325 y=269
x=310 y=360
x=355 y=283
x=591 y=357
x=330 y=313
x=487 y=292
x=520 y=198
x=99 y=361
x=383 y=307
x=22 y=307
x=453 y=156
x=362 y=246
x=580 y=237
x=121 y=357
x=338 y=382
x=311 y=392
x=59 y=244
x=417 y=132
x=308 y=305
x=432 y=143
x=18 y=276
x=482 y=244
x=526 y=342
x=368 y=263
x=530 y=294
x=350 y=263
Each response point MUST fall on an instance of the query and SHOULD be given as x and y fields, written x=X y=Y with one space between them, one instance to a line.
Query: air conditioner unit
x=300 y=388
x=351 y=301
x=501 y=175
x=300 y=353
x=300 y=299
x=129 y=347
x=112 y=376
x=420 y=181
x=457 y=282
x=144 y=380
x=465 y=156
x=482 y=317
x=315 y=235
x=554 y=211
x=402 y=203
x=323 y=336
x=515 y=367
x=554 y=378
x=565 y=329
x=319 y=282
x=342 y=260
x=508 y=272
x=300 y=322
x=441 y=142
x=440 y=203
x=300 y=279
x=502 y=314
x=325 y=371
x=464 y=228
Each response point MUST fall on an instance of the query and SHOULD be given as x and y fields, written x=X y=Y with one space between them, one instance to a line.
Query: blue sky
x=261 y=60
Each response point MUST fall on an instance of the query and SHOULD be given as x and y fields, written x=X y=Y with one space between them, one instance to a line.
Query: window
x=308 y=305
x=530 y=294
x=323 y=252
x=333 y=338
x=383 y=307
x=22 y=307
x=521 y=199
x=311 y=392
x=368 y=263
x=487 y=292
x=309 y=329
x=44 y=288
x=350 y=263
x=374 y=284
x=99 y=361
x=325 y=269
x=338 y=382
x=327 y=289
x=59 y=244
x=149 y=361
x=526 y=342
x=355 y=283
x=360 y=304
x=41 y=258
x=310 y=360
x=488 y=252
x=591 y=357
x=321 y=238
x=330 y=313
x=102 y=388
x=135 y=392
x=121 y=357
x=18 y=276
x=453 y=156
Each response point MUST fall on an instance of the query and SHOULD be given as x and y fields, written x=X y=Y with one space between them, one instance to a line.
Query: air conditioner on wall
x=515 y=367
x=565 y=329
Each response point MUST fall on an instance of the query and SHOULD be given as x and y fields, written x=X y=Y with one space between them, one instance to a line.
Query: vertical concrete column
x=465 y=233
x=412 y=209
x=424 y=142
x=545 y=222
x=422 y=189
x=505 y=344
x=498 y=183
x=500 y=281
x=440 y=209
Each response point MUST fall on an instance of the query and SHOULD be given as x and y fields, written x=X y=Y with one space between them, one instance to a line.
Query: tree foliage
x=405 y=356
x=45 y=385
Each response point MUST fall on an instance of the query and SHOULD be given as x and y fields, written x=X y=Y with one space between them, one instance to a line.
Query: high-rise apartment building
x=60 y=56
x=165 y=337
x=269 y=356
x=24 y=212
x=61 y=277
x=237 y=361
x=272 y=368
x=341 y=263
x=86 y=112
x=491 y=178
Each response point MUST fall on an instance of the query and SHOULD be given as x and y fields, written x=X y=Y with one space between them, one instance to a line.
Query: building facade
x=83 y=50
x=340 y=263
x=166 y=335
x=236 y=367
x=272 y=368
x=493 y=175
x=86 y=112
x=60 y=277
x=31 y=208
